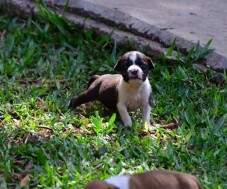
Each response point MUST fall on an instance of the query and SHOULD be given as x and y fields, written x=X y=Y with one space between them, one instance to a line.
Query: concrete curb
x=121 y=27
x=133 y=25
x=26 y=7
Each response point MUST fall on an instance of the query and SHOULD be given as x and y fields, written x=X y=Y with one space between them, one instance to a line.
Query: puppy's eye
x=141 y=64
x=127 y=64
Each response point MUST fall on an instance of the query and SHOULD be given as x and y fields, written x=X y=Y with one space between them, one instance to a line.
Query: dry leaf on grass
x=151 y=130
x=19 y=176
x=24 y=181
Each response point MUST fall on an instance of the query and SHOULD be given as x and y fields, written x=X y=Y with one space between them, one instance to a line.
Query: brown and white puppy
x=128 y=90
x=159 y=179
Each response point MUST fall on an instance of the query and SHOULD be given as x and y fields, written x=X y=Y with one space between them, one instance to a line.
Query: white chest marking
x=122 y=182
x=134 y=94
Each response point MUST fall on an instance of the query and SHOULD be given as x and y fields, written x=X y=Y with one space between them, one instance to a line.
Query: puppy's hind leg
x=90 y=94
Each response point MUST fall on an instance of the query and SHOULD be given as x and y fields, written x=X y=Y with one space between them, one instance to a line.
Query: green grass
x=42 y=66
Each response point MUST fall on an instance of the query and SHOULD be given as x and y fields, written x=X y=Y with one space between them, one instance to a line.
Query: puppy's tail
x=92 y=79
x=88 y=95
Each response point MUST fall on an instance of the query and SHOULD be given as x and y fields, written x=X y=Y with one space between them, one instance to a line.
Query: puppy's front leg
x=122 y=109
x=146 y=114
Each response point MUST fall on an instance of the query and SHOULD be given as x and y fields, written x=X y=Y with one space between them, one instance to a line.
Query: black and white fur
x=128 y=90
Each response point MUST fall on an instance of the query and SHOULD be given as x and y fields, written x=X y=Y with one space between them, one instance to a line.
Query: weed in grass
x=195 y=54
x=41 y=68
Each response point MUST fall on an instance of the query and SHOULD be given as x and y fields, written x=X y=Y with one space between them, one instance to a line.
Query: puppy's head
x=100 y=185
x=134 y=65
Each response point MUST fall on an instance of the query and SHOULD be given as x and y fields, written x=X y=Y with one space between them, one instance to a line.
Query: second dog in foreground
x=159 y=179
x=128 y=90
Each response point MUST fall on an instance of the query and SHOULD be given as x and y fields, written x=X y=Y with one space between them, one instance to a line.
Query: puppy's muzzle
x=133 y=74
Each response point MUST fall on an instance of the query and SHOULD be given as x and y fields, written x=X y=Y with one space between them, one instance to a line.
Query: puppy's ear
x=149 y=62
x=118 y=65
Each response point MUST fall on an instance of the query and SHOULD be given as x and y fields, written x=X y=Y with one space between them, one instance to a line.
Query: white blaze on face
x=133 y=56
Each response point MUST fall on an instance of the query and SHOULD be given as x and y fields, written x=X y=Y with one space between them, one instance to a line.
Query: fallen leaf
x=24 y=182
x=170 y=126
x=18 y=176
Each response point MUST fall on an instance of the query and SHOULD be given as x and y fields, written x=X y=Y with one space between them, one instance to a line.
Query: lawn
x=45 y=145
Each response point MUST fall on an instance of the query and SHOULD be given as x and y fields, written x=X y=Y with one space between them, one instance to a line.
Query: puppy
x=128 y=90
x=159 y=179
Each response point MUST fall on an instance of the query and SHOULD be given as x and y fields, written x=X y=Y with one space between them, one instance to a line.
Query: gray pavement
x=195 y=20
x=151 y=24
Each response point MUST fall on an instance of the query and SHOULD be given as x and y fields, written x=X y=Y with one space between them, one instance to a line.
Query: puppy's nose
x=134 y=72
